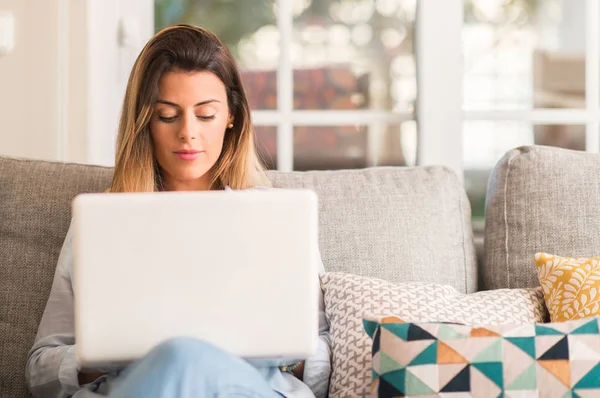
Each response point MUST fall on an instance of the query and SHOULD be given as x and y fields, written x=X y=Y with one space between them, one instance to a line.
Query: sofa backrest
x=539 y=199
x=399 y=224
x=34 y=217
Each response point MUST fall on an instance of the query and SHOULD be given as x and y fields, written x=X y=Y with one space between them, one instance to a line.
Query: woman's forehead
x=193 y=87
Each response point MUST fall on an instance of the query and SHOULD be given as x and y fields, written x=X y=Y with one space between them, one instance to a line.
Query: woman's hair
x=188 y=49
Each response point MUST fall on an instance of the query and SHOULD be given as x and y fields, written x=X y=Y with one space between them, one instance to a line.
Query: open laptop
x=234 y=268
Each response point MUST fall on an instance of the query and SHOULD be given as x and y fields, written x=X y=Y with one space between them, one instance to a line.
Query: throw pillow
x=349 y=297
x=571 y=286
x=443 y=360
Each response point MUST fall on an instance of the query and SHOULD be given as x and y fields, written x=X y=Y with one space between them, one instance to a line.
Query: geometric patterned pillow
x=449 y=360
x=571 y=286
x=348 y=298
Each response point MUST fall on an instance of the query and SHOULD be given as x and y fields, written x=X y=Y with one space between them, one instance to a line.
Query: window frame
x=285 y=117
x=589 y=116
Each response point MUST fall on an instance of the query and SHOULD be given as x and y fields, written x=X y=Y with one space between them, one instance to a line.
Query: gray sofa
x=399 y=224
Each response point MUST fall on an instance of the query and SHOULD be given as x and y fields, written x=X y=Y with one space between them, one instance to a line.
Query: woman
x=185 y=125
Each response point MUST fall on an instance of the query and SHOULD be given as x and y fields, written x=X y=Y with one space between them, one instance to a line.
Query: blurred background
x=360 y=54
x=352 y=77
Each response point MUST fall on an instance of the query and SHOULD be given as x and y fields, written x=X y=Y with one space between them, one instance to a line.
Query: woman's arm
x=316 y=370
x=51 y=370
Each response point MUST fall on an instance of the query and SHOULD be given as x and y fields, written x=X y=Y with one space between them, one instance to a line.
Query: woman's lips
x=188 y=154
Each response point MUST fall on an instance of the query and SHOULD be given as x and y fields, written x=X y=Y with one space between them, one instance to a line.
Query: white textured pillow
x=348 y=298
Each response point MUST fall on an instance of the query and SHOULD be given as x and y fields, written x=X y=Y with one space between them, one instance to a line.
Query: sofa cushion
x=571 y=286
x=348 y=298
x=539 y=199
x=444 y=360
x=397 y=224
x=34 y=217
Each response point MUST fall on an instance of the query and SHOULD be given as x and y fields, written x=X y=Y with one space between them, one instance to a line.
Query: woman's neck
x=201 y=184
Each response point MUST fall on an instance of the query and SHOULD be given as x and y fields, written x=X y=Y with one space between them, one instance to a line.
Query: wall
x=62 y=87
x=28 y=81
x=111 y=55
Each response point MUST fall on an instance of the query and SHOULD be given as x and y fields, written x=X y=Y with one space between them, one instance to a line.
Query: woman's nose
x=189 y=128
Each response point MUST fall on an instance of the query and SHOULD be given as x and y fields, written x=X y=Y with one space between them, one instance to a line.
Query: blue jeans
x=190 y=368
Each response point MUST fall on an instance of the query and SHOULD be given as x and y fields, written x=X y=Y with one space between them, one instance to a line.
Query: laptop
x=238 y=269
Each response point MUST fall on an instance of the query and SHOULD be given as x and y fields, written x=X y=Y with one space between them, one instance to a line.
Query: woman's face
x=189 y=122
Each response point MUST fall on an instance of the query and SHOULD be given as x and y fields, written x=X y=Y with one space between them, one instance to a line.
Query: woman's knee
x=188 y=351
x=188 y=364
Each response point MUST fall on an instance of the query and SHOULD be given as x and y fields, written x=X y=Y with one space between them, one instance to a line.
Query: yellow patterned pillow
x=571 y=286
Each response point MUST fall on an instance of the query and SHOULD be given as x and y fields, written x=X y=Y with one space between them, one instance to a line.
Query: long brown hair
x=189 y=49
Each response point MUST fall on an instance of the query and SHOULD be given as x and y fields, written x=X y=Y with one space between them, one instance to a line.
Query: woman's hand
x=86 y=378
x=299 y=371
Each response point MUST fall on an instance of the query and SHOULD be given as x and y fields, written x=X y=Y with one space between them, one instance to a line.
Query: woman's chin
x=187 y=180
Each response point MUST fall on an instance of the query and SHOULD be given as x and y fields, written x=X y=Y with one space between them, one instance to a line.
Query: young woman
x=185 y=125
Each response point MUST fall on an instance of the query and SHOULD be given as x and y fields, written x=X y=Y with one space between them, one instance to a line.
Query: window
x=345 y=82
x=530 y=77
x=332 y=83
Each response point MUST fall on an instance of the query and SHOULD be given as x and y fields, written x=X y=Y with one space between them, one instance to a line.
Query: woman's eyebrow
x=160 y=101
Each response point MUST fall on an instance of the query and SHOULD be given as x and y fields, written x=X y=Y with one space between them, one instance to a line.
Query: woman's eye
x=206 y=117
x=167 y=119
